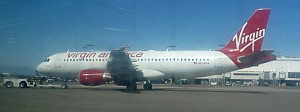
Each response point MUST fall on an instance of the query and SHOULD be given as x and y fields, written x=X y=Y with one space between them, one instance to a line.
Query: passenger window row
x=171 y=59
x=146 y=59
x=85 y=59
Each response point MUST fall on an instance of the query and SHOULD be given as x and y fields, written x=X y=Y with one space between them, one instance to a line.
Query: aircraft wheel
x=34 y=85
x=132 y=87
x=64 y=86
x=148 y=86
x=22 y=84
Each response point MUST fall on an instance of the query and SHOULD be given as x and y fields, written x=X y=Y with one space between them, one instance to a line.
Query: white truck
x=22 y=83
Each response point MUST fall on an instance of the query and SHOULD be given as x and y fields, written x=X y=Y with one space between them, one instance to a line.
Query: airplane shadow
x=201 y=90
x=112 y=89
x=210 y=91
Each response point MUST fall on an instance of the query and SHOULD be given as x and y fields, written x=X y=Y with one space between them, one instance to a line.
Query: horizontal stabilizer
x=266 y=59
x=257 y=58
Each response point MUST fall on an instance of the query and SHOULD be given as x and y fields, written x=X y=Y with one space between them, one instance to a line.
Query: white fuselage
x=245 y=45
x=177 y=64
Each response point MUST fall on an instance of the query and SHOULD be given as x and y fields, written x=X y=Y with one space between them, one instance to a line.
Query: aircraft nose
x=37 y=73
x=38 y=68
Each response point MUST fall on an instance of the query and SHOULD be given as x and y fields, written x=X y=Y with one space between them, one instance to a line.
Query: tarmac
x=164 y=98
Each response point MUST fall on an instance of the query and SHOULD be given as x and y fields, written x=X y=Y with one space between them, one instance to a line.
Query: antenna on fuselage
x=172 y=46
x=87 y=46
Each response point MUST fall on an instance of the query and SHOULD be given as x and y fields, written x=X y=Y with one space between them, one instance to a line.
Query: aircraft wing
x=121 y=68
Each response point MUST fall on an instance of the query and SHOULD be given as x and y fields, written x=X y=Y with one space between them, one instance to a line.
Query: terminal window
x=294 y=74
x=245 y=74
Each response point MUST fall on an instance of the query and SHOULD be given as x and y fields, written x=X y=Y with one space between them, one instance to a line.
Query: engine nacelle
x=93 y=77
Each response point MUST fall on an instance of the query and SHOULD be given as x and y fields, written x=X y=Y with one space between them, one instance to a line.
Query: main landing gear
x=148 y=85
x=65 y=85
x=131 y=86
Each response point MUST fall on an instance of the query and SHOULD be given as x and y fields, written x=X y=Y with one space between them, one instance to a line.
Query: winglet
x=125 y=49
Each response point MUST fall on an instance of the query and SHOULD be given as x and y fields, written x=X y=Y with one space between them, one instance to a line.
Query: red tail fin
x=249 y=38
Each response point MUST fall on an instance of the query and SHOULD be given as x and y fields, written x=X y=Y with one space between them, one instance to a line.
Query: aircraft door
x=57 y=64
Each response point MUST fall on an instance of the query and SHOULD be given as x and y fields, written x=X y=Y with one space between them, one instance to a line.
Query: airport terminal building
x=283 y=71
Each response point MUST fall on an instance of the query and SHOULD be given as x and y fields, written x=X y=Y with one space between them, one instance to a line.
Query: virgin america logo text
x=249 y=39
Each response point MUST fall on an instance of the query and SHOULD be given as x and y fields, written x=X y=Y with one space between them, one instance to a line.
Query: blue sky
x=31 y=30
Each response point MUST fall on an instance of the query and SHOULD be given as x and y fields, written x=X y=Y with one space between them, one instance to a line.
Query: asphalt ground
x=164 y=98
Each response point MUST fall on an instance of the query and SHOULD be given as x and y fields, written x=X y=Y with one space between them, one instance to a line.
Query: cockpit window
x=47 y=60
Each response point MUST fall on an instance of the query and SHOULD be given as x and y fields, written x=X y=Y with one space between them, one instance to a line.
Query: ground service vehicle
x=22 y=83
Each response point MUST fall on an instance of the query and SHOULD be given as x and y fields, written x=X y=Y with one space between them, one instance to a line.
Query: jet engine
x=93 y=77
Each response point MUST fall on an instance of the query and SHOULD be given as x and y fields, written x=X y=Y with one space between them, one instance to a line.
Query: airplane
x=126 y=68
